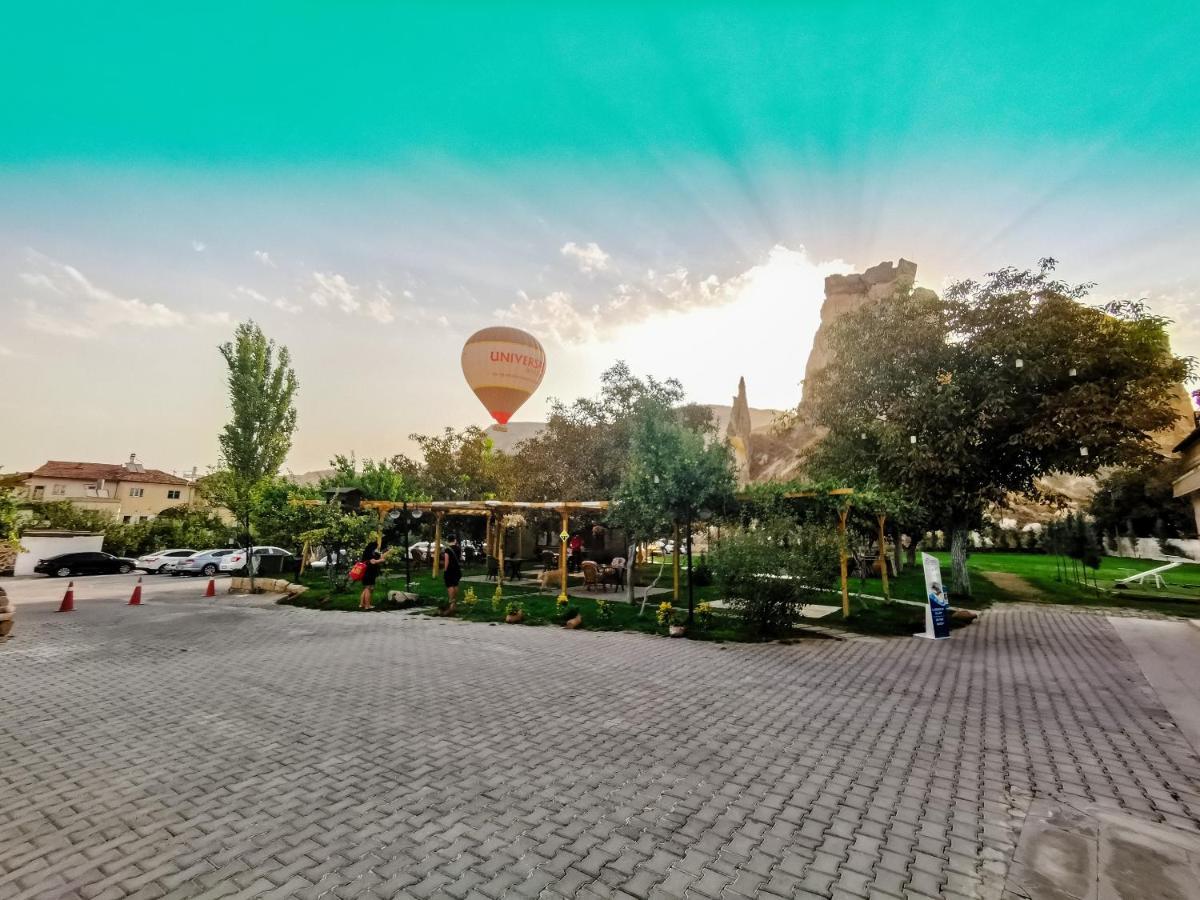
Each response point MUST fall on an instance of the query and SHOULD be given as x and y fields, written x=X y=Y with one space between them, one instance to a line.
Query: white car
x=163 y=561
x=237 y=559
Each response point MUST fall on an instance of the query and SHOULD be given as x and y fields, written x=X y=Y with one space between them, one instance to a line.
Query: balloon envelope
x=503 y=366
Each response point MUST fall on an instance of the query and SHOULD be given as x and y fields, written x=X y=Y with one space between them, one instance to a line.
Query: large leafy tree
x=961 y=400
x=255 y=442
x=582 y=453
x=454 y=465
x=377 y=479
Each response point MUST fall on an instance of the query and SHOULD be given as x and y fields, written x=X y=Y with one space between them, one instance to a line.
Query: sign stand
x=937 y=606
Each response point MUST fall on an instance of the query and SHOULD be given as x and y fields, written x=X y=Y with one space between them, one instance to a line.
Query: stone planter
x=676 y=630
x=6 y=615
x=574 y=622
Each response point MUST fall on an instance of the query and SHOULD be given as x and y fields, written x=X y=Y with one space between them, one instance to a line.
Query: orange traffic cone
x=211 y=590
x=135 y=598
x=68 y=604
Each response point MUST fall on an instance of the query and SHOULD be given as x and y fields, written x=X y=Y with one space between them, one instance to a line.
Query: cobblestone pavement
x=193 y=748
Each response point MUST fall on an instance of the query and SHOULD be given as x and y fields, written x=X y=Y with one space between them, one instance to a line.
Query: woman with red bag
x=372 y=560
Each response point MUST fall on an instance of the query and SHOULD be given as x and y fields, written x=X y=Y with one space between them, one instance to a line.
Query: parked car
x=270 y=560
x=162 y=561
x=94 y=563
x=205 y=562
x=423 y=550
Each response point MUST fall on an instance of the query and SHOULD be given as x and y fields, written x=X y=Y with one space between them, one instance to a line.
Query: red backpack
x=358 y=570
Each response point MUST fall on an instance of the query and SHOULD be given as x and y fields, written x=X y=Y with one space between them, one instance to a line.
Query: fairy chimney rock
x=738 y=431
x=846 y=293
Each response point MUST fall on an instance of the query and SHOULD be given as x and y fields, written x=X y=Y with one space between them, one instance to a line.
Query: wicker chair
x=591 y=574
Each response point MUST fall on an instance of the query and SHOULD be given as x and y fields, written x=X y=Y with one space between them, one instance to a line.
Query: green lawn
x=867 y=616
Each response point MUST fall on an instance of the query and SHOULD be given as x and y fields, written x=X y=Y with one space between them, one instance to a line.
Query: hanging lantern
x=1083 y=451
x=1072 y=372
x=1020 y=363
x=912 y=438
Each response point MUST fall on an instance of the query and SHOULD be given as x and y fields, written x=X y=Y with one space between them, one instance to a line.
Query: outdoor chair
x=618 y=565
x=493 y=568
x=591 y=574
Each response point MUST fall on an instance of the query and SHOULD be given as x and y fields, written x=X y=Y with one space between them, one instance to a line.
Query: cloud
x=265 y=258
x=4 y=351
x=334 y=288
x=85 y=309
x=589 y=257
x=379 y=307
x=199 y=246
x=782 y=277
x=280 y=303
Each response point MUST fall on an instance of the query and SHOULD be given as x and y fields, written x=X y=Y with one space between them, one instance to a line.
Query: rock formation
x=740 y=431
x=846 y=293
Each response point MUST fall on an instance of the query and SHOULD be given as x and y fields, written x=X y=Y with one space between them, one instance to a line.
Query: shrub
x=604 y=611
x=469 y=600
x=702 y=574
x=665 y=614
x=497 y=600
x=768 y=570
x=704 y=615
x=514 y=608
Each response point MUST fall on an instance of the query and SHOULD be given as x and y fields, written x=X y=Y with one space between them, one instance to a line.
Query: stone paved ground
x=190 y=748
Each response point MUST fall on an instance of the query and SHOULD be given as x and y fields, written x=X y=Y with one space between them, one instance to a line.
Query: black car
x=84 y=564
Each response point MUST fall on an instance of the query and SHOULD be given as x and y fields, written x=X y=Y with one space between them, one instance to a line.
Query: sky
x=662 y=183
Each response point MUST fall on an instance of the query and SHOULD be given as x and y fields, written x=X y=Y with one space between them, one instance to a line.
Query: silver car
x=206 y=562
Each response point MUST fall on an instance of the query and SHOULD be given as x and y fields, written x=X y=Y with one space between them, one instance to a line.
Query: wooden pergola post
x=379 y=534
x=842 y=557
x=562 y=556
x=437 y=543
x=487 y=538
x=883 y=561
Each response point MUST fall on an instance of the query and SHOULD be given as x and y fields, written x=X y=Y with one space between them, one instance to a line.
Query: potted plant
x=514 y=613
x=574 y=618
x=666 y=618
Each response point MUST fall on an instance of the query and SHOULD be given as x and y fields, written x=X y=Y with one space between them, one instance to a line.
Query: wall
x=43 y=545
x=1147 y=548
x=153 y=500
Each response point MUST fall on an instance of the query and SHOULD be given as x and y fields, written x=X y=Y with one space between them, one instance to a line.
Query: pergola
x=495 y=510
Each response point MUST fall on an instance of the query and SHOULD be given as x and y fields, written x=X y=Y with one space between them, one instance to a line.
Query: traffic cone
x=68 y=604
x=135 y=598
x=211 y=590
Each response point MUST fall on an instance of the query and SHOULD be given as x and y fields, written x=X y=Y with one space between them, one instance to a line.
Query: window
x=58 y=490
x=39 y=491
x=126 y=519
x=172 y=495
x=135 y=492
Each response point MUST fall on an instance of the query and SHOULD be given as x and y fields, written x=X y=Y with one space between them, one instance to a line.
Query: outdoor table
x=512 y=567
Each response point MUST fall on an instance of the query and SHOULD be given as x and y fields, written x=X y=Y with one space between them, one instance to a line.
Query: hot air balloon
x=503 y=366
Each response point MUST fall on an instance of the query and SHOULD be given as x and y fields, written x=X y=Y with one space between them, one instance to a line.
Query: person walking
x=373 y=560
x=451 y=570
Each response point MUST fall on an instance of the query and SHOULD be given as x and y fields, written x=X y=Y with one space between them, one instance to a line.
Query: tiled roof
x=85 y=471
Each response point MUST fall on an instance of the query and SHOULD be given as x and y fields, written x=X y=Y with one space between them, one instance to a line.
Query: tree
x=255 y=442
x=378 y=480
x=673 y=475
x=959 y=401
x=1141 y=501
x=454 y=465
x=582 y=453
